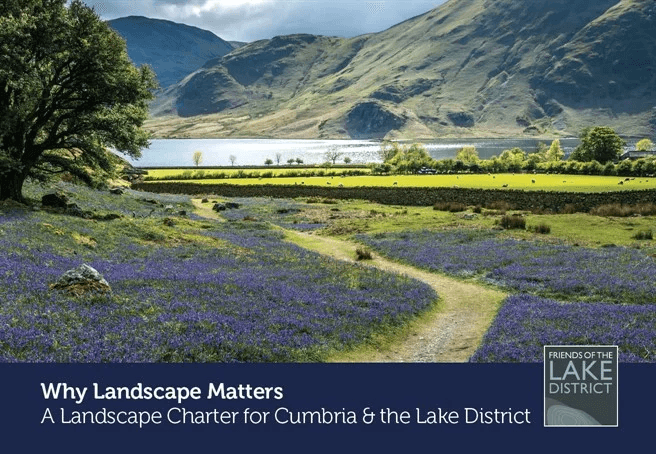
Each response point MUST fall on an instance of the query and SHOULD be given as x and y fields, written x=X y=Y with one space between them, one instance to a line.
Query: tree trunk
x=11 y=186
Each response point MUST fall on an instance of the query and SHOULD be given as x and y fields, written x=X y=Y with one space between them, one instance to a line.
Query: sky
x=250 y=20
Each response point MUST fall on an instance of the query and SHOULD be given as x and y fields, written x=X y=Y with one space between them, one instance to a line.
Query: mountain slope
x=173 y=50
x=480 y=67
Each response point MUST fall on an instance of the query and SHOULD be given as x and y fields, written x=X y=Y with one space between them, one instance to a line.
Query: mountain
x=465 y=68
x=173 y=50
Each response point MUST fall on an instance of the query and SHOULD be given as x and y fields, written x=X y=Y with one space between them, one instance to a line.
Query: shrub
x=453 y=207
x=624 y=168
x=644 y=235
x=541 y=228
x=618 y=210
x=363 y=253
x=514 y=221
x=499 y=205
x=569 y=208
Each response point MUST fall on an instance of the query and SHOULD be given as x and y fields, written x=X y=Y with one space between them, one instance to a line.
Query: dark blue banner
x=301 y=408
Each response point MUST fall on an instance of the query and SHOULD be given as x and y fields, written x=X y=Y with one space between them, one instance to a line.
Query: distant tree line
x=597 y=154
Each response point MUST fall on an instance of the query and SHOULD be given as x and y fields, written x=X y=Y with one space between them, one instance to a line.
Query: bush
x=569 y=208
x=501 y=205
x=514 y=221
x=644 y=235
x=618 y=210
x=453 y=207
x=541 y=228
x=363 y=253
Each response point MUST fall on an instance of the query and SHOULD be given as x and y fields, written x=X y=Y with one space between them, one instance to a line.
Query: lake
x=247 y=152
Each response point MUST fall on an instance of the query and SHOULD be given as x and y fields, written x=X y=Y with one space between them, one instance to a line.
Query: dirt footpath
x=450 y=333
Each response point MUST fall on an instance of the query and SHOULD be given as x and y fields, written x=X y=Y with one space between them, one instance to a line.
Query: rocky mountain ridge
x=475 y=68
x=173 y=50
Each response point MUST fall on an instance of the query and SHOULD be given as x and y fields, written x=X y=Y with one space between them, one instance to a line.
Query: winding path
x=450 y=333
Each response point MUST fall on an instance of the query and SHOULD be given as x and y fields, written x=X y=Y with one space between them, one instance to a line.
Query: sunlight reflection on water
x=217 y=152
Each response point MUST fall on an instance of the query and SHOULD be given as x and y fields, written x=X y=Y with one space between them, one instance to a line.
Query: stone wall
x=521 y=200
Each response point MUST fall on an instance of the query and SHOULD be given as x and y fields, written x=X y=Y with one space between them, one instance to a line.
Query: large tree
x=600 y=143
x=67 y=92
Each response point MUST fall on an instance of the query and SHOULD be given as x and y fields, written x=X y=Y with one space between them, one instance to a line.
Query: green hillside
x=474 y=68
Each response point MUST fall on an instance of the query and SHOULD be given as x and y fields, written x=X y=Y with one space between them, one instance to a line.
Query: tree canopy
x=468 y=154
x=555 y=152
x=600 y=143
x=68 y=90
x=645 y=145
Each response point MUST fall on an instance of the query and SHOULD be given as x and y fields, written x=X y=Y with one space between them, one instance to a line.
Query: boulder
x=219 y=207
x=55 y=200
x=232 y=205
x=106 y=217
x=116 y=191
x=74 y=210
x=81 y=281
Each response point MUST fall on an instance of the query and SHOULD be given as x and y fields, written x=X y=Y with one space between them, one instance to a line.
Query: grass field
x=344 y=218
x=177 y=277
x=157 y=174
x=569 y=183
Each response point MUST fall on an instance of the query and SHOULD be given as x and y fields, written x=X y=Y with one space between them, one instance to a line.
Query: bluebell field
x=566 y=294
x=527 y=322
x=251 y=297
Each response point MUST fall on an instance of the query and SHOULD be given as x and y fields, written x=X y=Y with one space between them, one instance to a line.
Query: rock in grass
x=55 y=200
x=106 y=217
x=81 y=281
x=116 y=191
x=232 y=205
x=219 y=207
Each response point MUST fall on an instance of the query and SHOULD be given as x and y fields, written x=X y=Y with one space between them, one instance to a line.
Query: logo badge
x=580 y=386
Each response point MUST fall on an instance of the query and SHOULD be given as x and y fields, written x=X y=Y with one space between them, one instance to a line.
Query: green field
x=540 y=182
x=158 y=174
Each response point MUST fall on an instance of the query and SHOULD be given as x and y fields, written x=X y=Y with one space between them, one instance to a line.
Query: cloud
x=249 y=20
